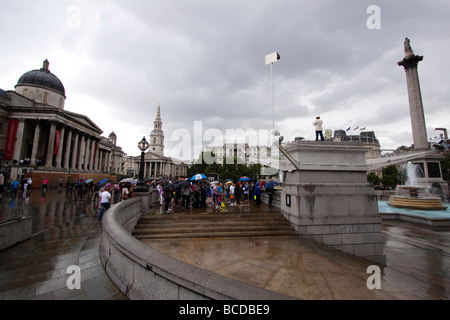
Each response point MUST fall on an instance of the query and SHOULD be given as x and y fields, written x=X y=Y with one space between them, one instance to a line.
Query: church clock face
x=154 y=131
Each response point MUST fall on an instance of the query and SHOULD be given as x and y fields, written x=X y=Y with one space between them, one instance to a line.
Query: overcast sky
x=204 y=61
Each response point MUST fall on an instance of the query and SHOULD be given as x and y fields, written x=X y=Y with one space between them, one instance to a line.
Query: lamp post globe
x=143 y=145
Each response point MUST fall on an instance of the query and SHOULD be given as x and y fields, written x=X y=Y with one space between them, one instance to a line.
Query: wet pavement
x=418 y=264
x=67 y=234
x=64 y=234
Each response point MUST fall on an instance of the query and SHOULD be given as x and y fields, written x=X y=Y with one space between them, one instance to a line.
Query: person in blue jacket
x=257 y=194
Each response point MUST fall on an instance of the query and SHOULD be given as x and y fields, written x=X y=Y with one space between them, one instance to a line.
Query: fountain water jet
x=412 y=195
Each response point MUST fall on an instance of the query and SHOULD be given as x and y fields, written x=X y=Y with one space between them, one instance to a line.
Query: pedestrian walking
x=105 y=200
x=160 y=192
x=14 y=187
x=219 y=191
x=45 y=183
x=79 y=189
x=237 y=193
x=203 y=195
x=167 y=199
x=69 y=186
x=185 y=195
x=245 y=188
x=232 y=194
x=257 y=194
x=270 y=193
x=126 y=192
x=209 y=196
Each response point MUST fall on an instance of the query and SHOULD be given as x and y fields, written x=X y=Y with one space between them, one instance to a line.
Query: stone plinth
x=328 y=199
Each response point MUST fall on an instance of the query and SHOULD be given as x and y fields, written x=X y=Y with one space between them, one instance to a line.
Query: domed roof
x=112 y=135
x=42 y=78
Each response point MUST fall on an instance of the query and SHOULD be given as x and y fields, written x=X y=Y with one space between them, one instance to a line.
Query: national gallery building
x=38 y=138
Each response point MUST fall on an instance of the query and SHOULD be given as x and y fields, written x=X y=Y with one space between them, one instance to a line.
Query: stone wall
x=14 y=231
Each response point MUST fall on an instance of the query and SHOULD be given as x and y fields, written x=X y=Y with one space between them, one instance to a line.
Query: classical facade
x=156 y=165
x=39 y=138
x=243 y=153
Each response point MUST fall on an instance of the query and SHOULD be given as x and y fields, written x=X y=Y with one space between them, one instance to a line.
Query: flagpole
x=273 y=101
x=270 y=59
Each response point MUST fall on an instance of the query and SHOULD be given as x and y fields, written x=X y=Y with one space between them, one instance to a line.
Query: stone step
x=202 y=224
x=153 y=217
x=227 y=234
x=158 y=222
x=212 y=225
x=209 y=228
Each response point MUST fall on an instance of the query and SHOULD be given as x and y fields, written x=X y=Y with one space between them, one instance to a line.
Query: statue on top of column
x=408 y=49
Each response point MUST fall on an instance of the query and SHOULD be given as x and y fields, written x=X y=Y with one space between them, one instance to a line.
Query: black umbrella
x=167 y=186
x=184 y=183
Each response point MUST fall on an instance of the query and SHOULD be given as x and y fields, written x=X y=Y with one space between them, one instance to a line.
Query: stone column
x=87 y=153
x=91 y=160
x=68 y=149
x=19 y=140
x=100 y=161
x=37 y=133
x=60 y=149
x=97 y=155
x=51 y=145
x=75 y=151
x=108 y=162
x=409 y=63
x=81 y=153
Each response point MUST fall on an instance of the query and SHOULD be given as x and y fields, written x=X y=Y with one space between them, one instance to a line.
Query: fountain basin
x=415 y=197
x=428 y=203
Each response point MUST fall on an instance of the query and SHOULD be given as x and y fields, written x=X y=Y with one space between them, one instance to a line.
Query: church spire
x=158 y=114
x=157 y=134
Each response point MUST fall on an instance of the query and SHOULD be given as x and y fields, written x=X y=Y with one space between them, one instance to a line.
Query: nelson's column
x=410 y=62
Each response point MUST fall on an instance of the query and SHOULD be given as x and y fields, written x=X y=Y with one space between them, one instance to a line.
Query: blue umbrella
x=271 y=184
x=244 y=179
x=198 y=176
x=104 y=181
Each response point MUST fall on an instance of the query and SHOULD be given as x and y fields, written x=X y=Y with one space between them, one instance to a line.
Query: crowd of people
x=178 y=192
x=104 y=192
x=203 y=194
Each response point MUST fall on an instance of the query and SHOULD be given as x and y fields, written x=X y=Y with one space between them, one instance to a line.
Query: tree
x=391 y=176
x=373 y=179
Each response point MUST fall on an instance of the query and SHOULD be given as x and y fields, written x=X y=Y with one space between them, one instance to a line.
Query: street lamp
x=140 y=185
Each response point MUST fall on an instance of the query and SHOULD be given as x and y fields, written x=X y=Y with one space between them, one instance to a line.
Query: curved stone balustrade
x=142 y=272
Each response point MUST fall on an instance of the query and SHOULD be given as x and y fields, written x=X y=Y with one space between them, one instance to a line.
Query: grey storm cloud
x=203 y=60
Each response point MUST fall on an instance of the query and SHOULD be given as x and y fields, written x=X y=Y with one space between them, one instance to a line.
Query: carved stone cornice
x=410 y=62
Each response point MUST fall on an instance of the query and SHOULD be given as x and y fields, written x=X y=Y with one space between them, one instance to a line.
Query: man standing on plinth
x=318 y=125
